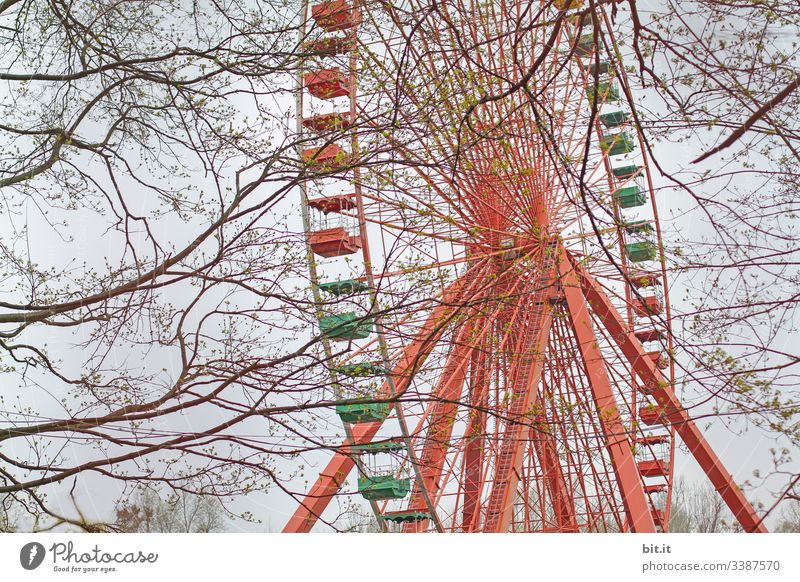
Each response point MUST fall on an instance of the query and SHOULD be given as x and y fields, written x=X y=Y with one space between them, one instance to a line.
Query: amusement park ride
x=533 y=390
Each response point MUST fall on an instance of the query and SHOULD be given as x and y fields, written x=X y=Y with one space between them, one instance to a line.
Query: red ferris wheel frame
x=563 y=297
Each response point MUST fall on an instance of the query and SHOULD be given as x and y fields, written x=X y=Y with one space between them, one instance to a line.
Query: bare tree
x=357 y=521
x=696 y=507
x=789 y=521
x=148 y=512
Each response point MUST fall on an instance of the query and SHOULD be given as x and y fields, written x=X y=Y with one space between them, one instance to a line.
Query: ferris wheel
x=486 y=260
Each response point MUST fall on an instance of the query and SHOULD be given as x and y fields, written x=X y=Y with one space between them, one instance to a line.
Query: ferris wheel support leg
x=442 y=417
x=474 y=448
x=525 y=380
x=332 y=478
x=655 y=384
x=639 y=517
